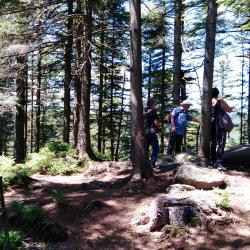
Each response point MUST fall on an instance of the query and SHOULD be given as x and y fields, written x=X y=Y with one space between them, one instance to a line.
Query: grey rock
x=200 y=178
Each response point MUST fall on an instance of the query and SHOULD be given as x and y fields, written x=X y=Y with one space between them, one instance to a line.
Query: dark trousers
x=174 y=143
x=217 y=146
x=154 y=143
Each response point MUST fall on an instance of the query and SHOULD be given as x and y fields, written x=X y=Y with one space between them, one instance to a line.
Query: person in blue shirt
x=179 y=118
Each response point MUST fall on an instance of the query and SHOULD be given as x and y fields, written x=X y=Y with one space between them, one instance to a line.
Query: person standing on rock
x=179 y=118
x=218 y=135
x=151 y=127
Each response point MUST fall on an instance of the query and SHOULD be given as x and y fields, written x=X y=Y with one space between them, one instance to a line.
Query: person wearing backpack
x=218 y=134
x=177 y=125
x=151 y=128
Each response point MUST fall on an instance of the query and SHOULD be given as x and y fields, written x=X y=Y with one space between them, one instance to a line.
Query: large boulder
x=189 y=206
x=201 y=178
x=239 y=155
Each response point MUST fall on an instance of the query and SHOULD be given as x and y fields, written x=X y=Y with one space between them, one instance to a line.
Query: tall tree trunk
x=38 y=102
x=242 y=95
x=43 y=134
x=183 y=87
x=67 y=72
x=163 y=106
x=149 y=74
x=20 y=109
x=177 y=52
x=139 y=153
x=4 y=217
x=112 y=148
x=32 y=105
x=100 y=117
x=1 y=133
x=121 y=118
x=83 y=139
x=248 y=110
x=77 y=81
x=26 y=112
x=204 y=151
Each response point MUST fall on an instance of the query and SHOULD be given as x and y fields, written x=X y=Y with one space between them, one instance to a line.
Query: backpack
x=224 y=120
x=176 y=115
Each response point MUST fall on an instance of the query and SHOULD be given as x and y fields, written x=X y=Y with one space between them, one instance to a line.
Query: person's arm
x=225 y=106
x=173 y=128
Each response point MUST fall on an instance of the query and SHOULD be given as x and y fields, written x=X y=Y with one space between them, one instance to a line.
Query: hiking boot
x=219 y=166
x=155 y=169
x=170 y=158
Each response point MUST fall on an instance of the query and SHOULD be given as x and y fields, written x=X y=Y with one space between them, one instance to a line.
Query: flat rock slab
x=200 y=178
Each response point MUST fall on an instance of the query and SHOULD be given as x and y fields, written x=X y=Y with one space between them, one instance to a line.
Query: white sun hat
x=186 y=102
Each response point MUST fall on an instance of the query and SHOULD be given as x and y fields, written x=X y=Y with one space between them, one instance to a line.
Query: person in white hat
x=178 y=124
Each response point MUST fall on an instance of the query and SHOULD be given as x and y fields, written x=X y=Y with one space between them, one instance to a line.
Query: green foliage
x=60 y=148
x=27 y=215
x=179 y=232
x=224 y=203
x=13 y=174
x=223 y=200
x=174 y=232
x=54 y=159
x=105 y=156
x=239 y=7
x=58 y=197
x=6 y=162
x=195 y=221
x=15 y=240
x=31 y=214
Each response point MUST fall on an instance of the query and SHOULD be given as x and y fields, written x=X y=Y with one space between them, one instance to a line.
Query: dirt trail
x=101 y=218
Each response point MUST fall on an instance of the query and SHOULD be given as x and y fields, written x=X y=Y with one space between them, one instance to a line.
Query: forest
x=75 y=78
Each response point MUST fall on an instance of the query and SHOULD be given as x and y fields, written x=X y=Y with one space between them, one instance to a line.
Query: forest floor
x=101 y=218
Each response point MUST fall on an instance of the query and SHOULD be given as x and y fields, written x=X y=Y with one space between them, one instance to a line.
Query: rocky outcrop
x=182 y=205
x=239 y=155
x=200 y=178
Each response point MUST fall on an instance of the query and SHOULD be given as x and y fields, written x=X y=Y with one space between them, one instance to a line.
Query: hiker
x=218 y=135
x=151 y=128
x=178 y=124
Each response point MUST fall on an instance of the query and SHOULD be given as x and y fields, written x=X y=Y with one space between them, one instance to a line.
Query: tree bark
x=163 y=106
x=83 y=138
x=177 y=52
x=121 y=118
x=112 y=148
x=100 y=117
x=67 y=72
x=20 y=109
x=248 y=110
x=242 y=96
x=32 y=105
x=204 y=151
x=77 y=80
x=149 y=74
x=4 y=217
x=138 y=143
x=38 y=103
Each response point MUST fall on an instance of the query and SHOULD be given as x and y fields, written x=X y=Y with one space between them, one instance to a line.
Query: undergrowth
x=56 y=158
x=15 y=240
